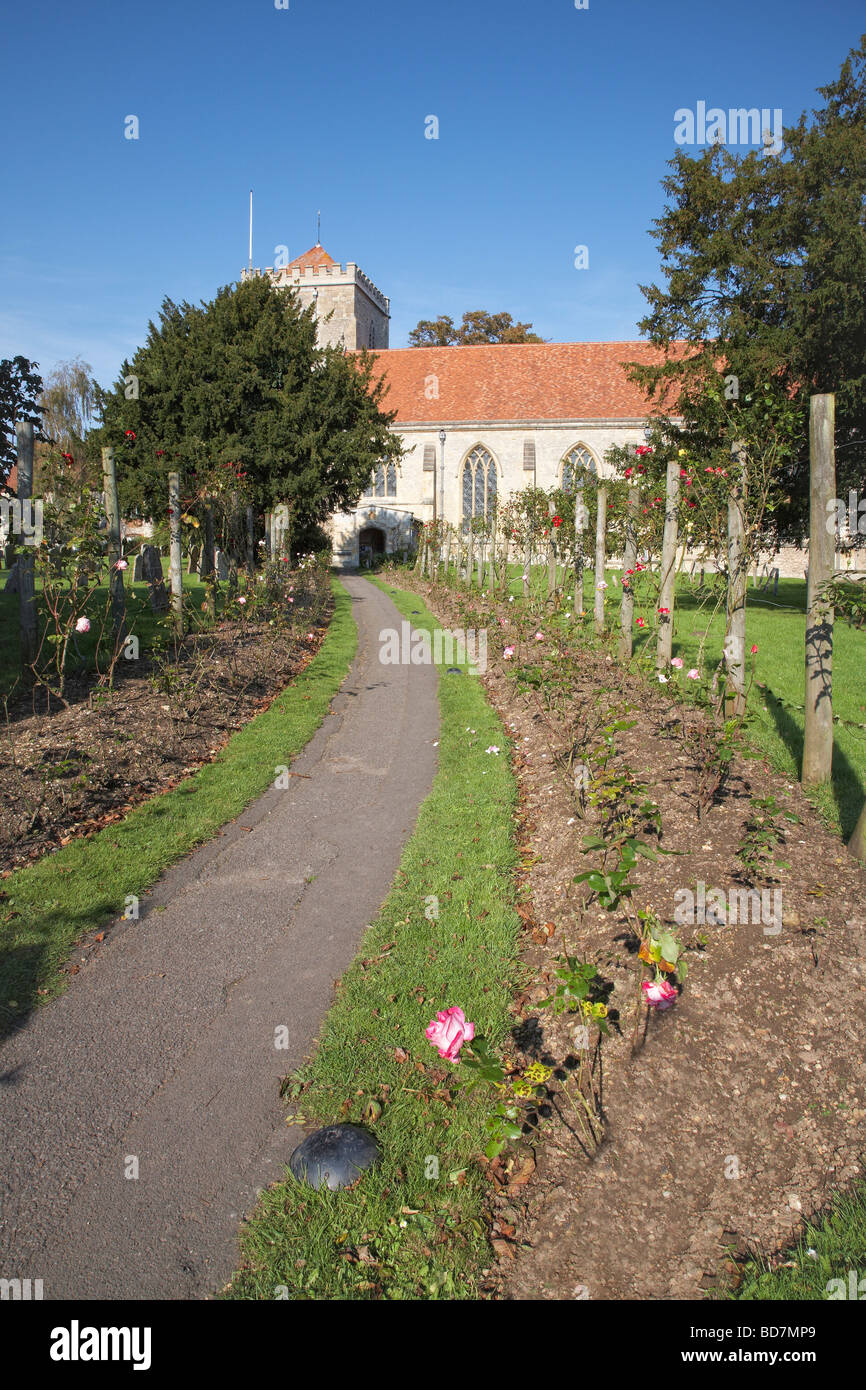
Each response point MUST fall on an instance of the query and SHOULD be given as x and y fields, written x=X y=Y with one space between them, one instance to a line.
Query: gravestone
x=221 y=566
x=151 y=571
x=138 y=567
x=11 y=585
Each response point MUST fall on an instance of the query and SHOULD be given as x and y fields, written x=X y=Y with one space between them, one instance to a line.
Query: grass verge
x=46 y=906
x=412 y=1228
x=829 y=1249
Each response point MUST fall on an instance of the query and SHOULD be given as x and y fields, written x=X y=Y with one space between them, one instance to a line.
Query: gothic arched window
x=376 y=484
x=577 y=462
x=479 y=485
x=392 y=480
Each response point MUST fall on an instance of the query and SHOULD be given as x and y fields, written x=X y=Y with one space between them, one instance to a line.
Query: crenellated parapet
x=320 y=276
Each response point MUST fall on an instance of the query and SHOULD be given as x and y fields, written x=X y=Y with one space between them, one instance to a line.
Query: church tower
x=359 y=312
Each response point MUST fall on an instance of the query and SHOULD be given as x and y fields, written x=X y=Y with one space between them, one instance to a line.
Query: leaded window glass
x=479 y=485
x=578 y=461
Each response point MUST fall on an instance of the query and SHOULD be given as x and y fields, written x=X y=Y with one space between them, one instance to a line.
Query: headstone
x=221 y=566
x=138 y=568
x=335 y=1156
x=151 y=566
x=11 y=585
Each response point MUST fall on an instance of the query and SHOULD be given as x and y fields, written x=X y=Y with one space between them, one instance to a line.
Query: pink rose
x=676 y=661
x=693 y=674
x=753 y=650
x=448 y=1032
x=121 y=565
x=83 y=625
x=658 y=993
x=508 y=654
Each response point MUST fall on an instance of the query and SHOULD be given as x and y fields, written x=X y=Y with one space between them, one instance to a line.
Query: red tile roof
x=515 y=381
x=317 y=255
x=11 y=481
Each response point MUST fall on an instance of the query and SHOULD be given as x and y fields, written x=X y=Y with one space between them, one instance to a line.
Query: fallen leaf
x=522 y=1178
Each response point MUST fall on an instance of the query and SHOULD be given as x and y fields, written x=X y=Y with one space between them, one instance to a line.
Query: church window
x=376 y=485
x=479 y=485
x=371 y=336
x=392 y=480
x=576 y=463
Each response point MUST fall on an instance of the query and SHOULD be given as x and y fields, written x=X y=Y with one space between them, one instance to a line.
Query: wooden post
x=818 y=740
x=175 y=566
x=470 y=560
x=580 y=518
x=629 y=559
x=207 y=561
x=857 y=843
x=668 y=574
x=115 y=576
x=738 y=574
x=26 y=579
x=251 y=545
x=527 y=564
x=600 y=528
x=551 y=551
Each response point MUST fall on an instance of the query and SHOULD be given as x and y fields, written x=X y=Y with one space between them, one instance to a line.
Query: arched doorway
x=371 y=546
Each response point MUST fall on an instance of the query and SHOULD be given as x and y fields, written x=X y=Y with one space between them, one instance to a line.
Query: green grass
x=46 y=906
x=424 y=1234
x=777 y=626
x=838 y=1245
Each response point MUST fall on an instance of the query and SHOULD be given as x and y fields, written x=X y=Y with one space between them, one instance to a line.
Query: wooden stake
x=818 y=741
x=26 y=578
x=175 y=566
x=115 y=576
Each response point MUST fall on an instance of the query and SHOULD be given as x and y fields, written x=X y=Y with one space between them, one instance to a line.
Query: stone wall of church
x=505 y=444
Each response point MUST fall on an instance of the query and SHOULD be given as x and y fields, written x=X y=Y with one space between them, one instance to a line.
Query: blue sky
x=554 y=128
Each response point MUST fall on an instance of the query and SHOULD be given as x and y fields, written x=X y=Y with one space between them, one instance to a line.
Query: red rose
x=130 y=434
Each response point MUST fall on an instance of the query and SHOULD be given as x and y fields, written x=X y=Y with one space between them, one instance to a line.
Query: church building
x=477 y=423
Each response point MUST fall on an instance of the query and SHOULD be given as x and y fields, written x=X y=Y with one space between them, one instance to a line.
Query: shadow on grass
x=846 y=787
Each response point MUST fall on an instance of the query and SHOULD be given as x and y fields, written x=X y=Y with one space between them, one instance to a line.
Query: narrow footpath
x=162 y=1059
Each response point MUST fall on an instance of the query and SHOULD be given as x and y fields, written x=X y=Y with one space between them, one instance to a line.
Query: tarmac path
x=163 y=1048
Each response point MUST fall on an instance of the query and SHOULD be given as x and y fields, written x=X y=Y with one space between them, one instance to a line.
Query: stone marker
x=138 y=568
x=221 y=566
x=151 y=567
x=335 y=1156
x=11 y=586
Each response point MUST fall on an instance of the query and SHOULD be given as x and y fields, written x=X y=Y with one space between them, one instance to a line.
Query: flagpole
x=251 y=231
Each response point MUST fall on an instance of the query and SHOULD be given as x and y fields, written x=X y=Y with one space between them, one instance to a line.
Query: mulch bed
x=79 y=767
x=758 y=1068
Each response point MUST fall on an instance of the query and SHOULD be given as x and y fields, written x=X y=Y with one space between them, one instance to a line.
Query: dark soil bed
x=73 y=769
x=740 y=1109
